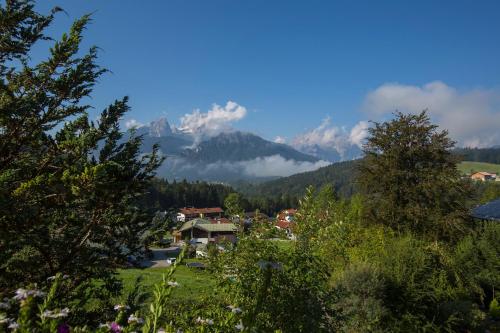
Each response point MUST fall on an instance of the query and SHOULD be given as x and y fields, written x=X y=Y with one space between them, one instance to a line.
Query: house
x=204 y=231
x=188 y=213
x=285 y=221
x=483 y=176
x=488 y=212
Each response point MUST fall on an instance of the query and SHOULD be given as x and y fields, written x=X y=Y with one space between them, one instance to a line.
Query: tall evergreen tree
x=69 y=187
x=410 y=179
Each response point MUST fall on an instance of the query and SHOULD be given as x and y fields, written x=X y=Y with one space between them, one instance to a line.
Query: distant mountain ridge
x=241 y=146
x=228 y=156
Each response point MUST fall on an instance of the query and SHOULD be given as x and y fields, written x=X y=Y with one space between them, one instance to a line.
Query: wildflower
x=22 y=294
x=63 y=328
x=13 y=325
x=5 y=320
x=47 y=314
x=4 y=305
x=161 y=330
x=134 y=319
x=173 y=284
x=115 y=328
x=204 y=321
x=240 y=326
x=120 y=307
x=234 y=309
x=104 y=325
x=64 y=313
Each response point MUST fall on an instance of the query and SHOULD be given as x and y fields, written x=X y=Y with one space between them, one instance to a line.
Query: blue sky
x=291 y=64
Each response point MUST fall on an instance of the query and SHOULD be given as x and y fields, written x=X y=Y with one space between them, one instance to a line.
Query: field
x=193 y=282
x=467 y=167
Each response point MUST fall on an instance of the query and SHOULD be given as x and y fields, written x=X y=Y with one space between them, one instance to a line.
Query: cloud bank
x=471 y=117
x=216 y=120
x=328 y=136
x=132 y=123
x=268 y=166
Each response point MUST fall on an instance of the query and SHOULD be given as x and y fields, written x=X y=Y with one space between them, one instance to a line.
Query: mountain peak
x=160 y=128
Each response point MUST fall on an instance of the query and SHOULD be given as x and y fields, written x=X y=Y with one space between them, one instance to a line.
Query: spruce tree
x=69 y=186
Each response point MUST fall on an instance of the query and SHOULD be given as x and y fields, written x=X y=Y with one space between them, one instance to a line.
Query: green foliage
x=276 y=289
x=410 y=180
x=69 y=187
x=233 y=205
x=494 y=309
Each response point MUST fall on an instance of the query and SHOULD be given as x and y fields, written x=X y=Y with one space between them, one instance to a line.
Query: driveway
x=160 y=256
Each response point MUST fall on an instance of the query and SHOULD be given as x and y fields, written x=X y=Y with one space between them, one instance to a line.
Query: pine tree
x=69 y=187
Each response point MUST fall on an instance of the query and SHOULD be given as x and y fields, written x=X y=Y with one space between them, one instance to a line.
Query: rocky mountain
x=226 y=157
x=241 y=146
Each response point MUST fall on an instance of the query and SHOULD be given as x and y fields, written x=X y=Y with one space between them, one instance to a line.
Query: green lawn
x=467 y=167
x=193 y=282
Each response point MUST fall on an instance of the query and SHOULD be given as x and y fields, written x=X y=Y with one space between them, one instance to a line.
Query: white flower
x=134 y=319
x=64 y=313
x=47 y=314
x=120 y=307
x=173 y=283
x=234 y=309
x=5 y=320
x=13 y=325
x=22 y=294
x=209 y=321
x=240 y=326
x=107 y=325
x=161 y=330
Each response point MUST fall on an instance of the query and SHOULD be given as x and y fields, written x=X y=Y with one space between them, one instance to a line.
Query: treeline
x=340 y=176
x=487 y=155
x=164 y=195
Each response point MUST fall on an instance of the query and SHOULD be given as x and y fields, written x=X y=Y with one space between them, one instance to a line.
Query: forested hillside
x=487 y=155
x=340 y=175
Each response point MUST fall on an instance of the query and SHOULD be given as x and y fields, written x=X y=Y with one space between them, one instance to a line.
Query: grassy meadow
x=193 y=282
x=467 y=167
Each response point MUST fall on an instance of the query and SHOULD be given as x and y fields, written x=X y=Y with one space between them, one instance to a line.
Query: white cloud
x=216 y=120
x=330 y=137
x=279 y=139
x=359 y=133
x=132 y=123
x=472 y=117
x=268 y=166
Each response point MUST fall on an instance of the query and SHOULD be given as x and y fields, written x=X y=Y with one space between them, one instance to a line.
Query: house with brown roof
x=483 y=176
x=286 y=221
x=188 y=213
x=204 y=231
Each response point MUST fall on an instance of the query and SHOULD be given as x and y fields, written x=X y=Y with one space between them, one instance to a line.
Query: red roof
x=197 y=211
x=220 y=220
x=284 y=224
